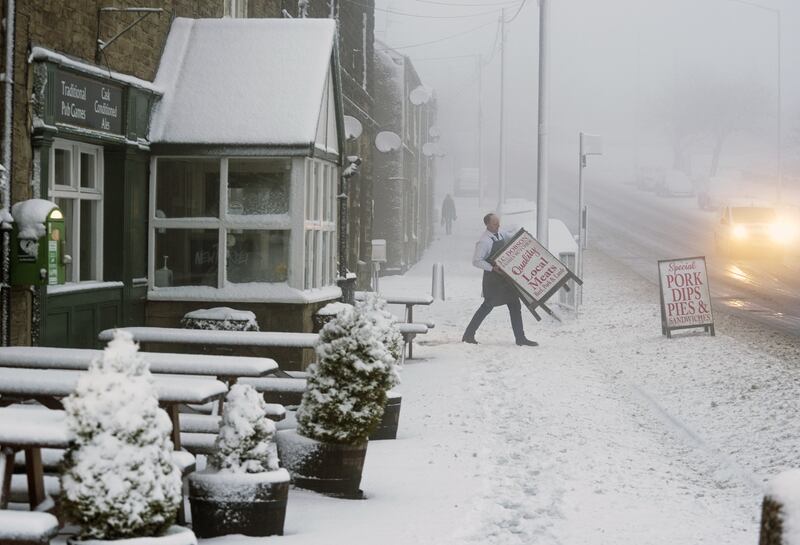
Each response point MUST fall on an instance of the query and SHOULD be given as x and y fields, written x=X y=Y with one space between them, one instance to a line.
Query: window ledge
x=251 y=292
x=75 y=287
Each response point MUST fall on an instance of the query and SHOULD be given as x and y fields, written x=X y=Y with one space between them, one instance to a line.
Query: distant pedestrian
x=448 y=213
x=497 y=290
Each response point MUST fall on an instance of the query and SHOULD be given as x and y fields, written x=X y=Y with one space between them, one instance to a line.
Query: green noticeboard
x=88 y=103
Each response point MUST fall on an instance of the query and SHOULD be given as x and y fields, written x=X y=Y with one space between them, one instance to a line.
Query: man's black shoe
x=527 y=342
x=470 y=340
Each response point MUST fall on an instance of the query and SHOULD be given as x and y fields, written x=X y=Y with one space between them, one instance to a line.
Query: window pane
x=63 y=167
x=258 y=186
x=187 y=188
x=258 y=256
x=186 y=257
x=66 y=208
x=309 y=261
x=88 y=232
x=87 y=170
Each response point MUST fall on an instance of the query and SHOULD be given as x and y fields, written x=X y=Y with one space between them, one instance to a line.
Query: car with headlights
x=754 y=229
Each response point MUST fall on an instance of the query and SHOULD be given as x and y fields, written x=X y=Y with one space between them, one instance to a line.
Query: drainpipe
x=5 y=175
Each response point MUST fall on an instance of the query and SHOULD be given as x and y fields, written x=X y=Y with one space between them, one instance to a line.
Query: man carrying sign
x=497 y=290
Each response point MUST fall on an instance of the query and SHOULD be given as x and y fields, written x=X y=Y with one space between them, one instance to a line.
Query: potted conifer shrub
x=343 y=401
x=244 y=492
x=119 y=481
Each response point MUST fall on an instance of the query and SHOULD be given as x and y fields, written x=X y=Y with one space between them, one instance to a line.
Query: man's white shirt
x=484 y=247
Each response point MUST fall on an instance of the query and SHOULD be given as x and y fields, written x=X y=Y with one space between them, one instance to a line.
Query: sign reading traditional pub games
x=87 y=103
x=535 y=272
x=685 y=297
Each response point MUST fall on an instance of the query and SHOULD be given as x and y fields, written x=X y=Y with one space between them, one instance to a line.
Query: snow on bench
x=26 y=528
x=77 y=359
x=286 y=391
x=37 y=427
x=399 y=298
x=209 y=423
x=262 y=339
x=198 y=443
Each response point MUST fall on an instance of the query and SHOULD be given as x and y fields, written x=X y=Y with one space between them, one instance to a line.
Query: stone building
x=404 y=175
x=79 y=130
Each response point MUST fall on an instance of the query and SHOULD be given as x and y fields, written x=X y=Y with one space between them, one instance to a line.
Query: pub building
x=229 y=165
x=90 y=157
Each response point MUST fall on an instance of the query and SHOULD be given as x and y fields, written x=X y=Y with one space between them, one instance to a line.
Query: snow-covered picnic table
x=32 y=429
x=408 y=299
x=409 y=329
x=29 y=430
x=48 y=387
x=226 y=368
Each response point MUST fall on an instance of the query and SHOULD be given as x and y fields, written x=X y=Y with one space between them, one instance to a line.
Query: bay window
x=222 y=221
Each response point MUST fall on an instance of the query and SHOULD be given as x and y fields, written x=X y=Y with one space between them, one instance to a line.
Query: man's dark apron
x=497 y=290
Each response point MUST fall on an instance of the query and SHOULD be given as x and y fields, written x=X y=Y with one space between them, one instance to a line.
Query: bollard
x=437 y=281
x=568 y=299
x=780 y=512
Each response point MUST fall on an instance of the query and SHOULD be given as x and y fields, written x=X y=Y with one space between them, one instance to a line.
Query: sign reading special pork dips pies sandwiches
x=685 y=297
x=535 y=272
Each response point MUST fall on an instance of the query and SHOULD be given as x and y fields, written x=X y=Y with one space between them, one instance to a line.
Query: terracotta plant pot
x=251 y=504
x=176 y=535
x=387 y=427
x=329 y=468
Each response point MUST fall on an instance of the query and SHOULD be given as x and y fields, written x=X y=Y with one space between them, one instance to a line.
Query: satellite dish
x=387 y=141
x=419 y=96
x=352 y=127
x=434 y=132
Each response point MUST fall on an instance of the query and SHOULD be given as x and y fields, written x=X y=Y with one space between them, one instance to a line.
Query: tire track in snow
x=688 y=434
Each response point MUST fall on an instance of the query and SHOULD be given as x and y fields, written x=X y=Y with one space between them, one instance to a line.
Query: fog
x=686 y=84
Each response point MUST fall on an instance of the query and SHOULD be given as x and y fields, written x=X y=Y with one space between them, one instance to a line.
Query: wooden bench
x=26 y=528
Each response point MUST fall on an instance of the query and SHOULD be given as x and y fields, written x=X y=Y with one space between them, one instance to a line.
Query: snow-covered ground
x=607 y=433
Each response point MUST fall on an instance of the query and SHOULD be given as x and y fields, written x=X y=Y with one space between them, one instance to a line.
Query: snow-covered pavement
x=607 y=433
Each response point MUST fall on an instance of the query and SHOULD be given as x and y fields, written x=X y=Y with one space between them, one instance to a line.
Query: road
x=639 y=228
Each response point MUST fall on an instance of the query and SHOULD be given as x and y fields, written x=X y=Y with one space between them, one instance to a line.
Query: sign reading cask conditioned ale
x=535 y=272
x=684 y=293
x=87 y=103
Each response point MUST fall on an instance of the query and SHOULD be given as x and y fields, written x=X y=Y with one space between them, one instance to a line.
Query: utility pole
x=541 y=186
x=479 y=58
x=501 y=197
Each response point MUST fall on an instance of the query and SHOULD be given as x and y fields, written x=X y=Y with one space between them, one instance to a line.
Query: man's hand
x=495 y=268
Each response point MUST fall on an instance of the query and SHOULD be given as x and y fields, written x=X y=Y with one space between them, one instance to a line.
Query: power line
x=522 y=5
x=484 y=25
x=481 y=5
x=419 y=15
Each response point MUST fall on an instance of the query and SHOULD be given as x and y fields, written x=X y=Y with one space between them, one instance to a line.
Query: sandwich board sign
x=684 y=294
x=535 y=272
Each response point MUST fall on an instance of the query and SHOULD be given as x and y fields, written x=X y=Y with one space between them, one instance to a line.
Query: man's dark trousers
x=514 y=310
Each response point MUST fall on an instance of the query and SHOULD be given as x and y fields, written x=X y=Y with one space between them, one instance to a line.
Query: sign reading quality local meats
x=531 y=267
x=685 y=297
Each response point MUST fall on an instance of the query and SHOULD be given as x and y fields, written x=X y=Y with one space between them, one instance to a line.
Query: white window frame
x=75 y=192
x=224 y=224
x=321 y=184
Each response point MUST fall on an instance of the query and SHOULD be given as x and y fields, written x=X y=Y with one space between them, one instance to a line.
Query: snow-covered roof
x=243 y=81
